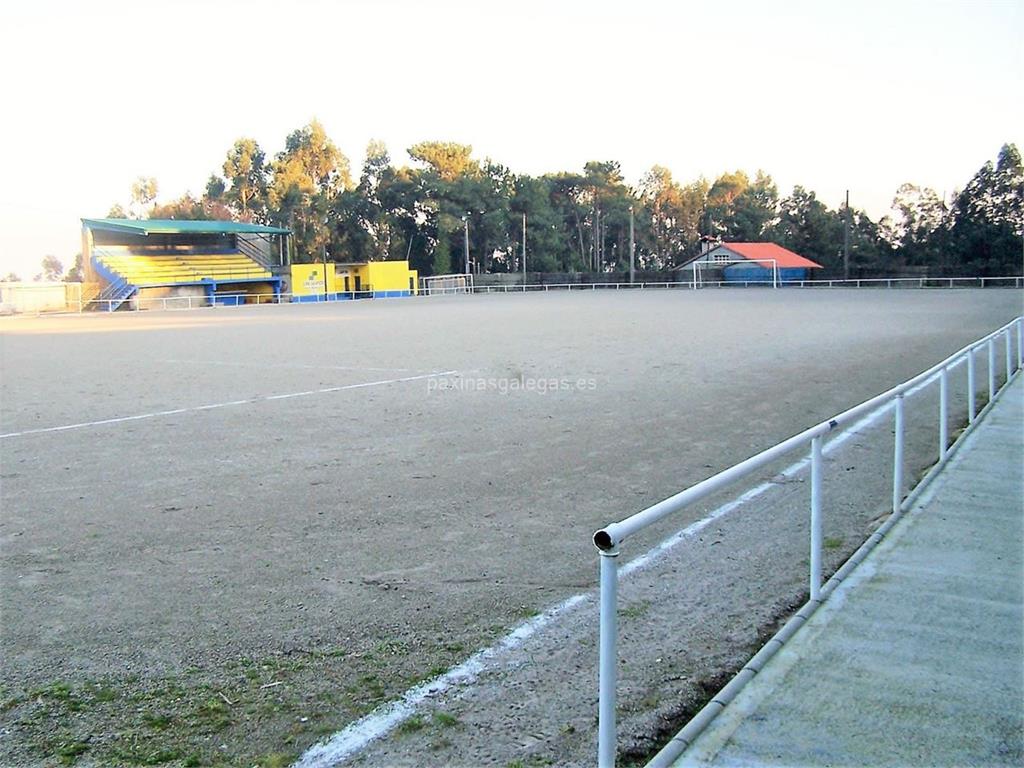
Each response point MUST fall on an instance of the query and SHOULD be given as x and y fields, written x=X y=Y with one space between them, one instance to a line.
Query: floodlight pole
x=524 y=250
x=846 y=238
x=465 y=242
x=326 y=295
x=632 y=248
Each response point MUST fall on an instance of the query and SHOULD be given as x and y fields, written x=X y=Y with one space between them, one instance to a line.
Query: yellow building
x=334 y=282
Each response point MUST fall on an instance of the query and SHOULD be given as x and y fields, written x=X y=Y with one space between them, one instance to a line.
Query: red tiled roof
x=784 y=258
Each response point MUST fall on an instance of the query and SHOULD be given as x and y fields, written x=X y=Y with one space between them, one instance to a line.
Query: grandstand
x=217 y=262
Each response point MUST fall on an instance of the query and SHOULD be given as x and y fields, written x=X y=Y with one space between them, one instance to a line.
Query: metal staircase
x=118 y=289
x=255 y=253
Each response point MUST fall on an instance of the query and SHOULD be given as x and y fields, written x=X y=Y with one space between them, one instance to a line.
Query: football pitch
x=229 y=533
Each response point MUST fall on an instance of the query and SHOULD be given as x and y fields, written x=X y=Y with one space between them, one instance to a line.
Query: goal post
x=698 y=266
x=442 y=285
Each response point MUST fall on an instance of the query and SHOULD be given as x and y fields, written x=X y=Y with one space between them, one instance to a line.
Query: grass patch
x=183 y=719
x=69 y=751
x=832 y=542
x=445 y=719
x=156 y=722
x=278 y=760
x=635 y=610
x=412 y=725
x=212 y=714
x=525 y=612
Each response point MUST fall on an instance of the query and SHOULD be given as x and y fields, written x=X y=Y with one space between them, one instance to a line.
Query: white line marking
x=303 y=366
x=385 y=718
x=230 y=403
x=381 y=721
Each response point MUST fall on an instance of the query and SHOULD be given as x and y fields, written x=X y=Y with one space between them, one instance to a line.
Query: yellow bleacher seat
x=182 y=267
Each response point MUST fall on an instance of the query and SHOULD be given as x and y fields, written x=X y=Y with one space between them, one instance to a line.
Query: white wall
x=37 y=297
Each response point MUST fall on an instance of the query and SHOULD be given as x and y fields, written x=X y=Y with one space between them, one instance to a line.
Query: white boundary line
x=230 y=403
x=358 y=734
x=300 y=366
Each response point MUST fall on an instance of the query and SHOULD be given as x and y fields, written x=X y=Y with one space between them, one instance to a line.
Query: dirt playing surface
x=226 y=534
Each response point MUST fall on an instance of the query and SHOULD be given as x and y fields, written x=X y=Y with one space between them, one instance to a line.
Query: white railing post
x=897 y=456
x=1020 y=343
x=816 y=469
x=608 y=659
x=991 y=369
x=943 y=412
x=972 y=405
x=1009 y=352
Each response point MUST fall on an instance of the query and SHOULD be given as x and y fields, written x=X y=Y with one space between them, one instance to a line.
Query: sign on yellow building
x=314 y=282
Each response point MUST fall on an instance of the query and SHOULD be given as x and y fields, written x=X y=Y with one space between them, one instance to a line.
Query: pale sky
x=829 y=94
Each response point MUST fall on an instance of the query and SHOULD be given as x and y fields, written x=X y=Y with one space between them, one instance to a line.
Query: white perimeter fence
x=445 y=287
x=610 y=538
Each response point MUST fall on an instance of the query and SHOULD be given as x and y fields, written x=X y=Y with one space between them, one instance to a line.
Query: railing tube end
x=605 y=540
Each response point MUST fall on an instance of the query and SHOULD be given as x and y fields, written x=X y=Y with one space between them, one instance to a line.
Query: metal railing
x=875 y=282
x=197 y=302
x=609 y=539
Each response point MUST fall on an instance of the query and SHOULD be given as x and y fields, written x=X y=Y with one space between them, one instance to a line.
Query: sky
x=831 y=94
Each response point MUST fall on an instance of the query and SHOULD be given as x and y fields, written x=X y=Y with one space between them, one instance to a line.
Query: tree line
x=580 y=221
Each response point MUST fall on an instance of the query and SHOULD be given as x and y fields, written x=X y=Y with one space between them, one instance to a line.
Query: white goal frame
x=443 y=285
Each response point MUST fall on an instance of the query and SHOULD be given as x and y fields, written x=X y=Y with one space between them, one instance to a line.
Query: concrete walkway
x=918 y=657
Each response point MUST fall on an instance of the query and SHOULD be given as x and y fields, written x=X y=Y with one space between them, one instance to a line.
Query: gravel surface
x=229 y=584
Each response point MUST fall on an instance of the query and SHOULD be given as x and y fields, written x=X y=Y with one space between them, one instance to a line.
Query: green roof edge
x=182 y=226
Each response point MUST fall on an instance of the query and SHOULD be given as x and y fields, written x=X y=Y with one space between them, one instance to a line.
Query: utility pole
x=846 y=239
x=326 y=289
x=465 y=241
x=524 y=248
x=632 y=248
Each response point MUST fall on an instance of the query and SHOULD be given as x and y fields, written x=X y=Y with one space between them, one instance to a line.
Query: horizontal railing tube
x=615 y=533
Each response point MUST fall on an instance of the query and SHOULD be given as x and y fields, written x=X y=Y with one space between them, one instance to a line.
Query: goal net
x=767 y=272
x=439 y=285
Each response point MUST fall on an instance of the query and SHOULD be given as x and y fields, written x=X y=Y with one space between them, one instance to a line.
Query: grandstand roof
x=178 y=227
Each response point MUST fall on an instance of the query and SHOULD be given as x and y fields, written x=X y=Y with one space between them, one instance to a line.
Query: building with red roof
x=755 y=262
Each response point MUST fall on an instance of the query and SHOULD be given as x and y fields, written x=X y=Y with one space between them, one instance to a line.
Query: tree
x=610 y=201
x=53 y=270
x=445 y=158
x=366 y=221
x=809 y=228
x=987 y=218
x=117 y=212
x=246 y=175
x=548 y=249
x=673 y=213
x=75 y=274
x=144 y=191
x=215 y=188
x=754 y=210
x=11 y=277
x=918 y=216
x=189 y=208
x=570 y=198
x=185 y=208
x=721 y=206
x=307 y=178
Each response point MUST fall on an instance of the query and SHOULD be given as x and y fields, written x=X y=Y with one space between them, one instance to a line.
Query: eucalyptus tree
x=246 y=172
